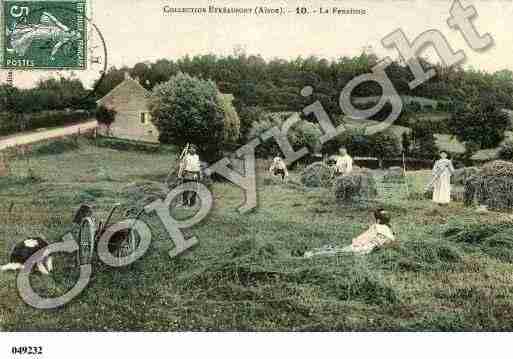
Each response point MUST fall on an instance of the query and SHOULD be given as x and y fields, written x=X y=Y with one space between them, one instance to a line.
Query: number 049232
x=26 y=350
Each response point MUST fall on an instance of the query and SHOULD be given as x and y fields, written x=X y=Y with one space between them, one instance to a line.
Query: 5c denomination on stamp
x=44 y=34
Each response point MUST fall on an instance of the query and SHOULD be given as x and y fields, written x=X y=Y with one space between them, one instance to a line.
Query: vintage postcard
x=252 y=166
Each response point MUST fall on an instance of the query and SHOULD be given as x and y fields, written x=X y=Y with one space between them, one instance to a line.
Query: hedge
x=11 y=123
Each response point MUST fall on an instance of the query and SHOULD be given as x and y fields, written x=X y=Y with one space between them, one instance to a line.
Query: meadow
x=450 y=269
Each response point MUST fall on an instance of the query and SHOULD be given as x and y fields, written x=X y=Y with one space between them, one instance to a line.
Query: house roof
x=127 y=84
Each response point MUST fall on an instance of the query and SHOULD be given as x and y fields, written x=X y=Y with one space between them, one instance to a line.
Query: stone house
x=133 y=120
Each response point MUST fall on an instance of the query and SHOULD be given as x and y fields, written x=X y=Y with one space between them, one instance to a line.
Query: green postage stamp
x=44 y=34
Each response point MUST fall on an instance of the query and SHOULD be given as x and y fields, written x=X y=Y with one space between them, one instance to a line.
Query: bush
x=189 y=110
x=105 y=116
x=317 y=174
x=231 y=119
x=355 y=187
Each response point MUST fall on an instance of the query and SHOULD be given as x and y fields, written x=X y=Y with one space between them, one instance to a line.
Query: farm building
x=130 y=101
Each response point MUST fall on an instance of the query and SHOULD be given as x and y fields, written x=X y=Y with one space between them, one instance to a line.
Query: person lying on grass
x=378 y=234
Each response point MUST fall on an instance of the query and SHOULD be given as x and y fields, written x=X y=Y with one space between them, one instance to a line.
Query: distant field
x=241 y=276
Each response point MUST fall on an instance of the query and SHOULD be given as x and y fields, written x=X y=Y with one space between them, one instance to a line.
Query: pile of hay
x=358 y=187
x=492 y=186
x=318 y=174
x=495 y=240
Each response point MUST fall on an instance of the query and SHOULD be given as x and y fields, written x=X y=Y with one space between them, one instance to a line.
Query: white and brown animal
x=24 y=250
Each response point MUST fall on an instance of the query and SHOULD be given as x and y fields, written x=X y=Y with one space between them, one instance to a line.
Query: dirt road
x=36 y=136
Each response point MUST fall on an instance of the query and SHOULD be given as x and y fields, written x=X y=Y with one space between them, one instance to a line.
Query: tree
x=105 y=116
x=384 y=144
x=186 y=109
x=480 y=120
x=424 y=142
x=406 y=142
x=301 y=134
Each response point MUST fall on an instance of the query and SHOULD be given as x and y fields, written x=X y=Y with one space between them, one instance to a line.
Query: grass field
x=241 y=276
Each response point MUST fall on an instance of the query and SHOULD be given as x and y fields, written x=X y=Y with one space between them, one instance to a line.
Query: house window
x=143 y=118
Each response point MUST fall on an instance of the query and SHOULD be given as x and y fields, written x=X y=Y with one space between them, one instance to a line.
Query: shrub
x=105 y=115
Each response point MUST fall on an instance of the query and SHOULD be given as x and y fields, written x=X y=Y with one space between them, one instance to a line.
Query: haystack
x=318 y=174
x=492 y=186
x=358 y=187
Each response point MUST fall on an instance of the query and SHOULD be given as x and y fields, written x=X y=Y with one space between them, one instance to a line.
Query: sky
x=139 y=30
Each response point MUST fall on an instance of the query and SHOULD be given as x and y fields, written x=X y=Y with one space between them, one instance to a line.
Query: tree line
x=473 y=98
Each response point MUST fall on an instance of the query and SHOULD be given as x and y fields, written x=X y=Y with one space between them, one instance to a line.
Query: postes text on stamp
x=44 y=34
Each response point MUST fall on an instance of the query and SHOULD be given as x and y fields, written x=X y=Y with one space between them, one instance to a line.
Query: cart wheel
x=128 y=246
x=86 y=239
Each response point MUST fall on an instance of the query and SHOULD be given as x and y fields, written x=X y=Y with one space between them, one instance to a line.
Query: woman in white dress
x=441 y=181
